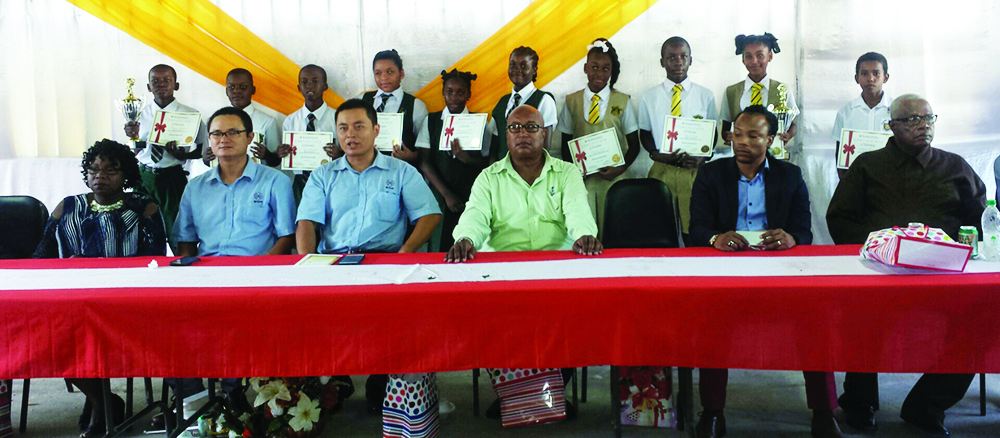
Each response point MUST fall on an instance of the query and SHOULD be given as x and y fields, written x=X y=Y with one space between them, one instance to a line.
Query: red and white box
x=920 y=247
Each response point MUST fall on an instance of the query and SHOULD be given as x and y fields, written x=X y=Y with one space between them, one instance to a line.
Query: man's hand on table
x=461 y=251
x=730 y=241
x=776 y=240
x=588 y=245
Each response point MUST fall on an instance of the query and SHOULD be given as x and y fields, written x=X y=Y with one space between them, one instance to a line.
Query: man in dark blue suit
x=767 y=199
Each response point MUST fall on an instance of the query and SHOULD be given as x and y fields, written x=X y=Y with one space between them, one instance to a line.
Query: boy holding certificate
x=453 y=167
x=387 y=68
x=162 y=165
x=522 y=70
x=597 y=108
x=677 y=96
x=314 y=116
x=870 y=111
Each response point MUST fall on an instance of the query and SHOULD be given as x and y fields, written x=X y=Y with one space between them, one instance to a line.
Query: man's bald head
x=896 y=108
x=912 y=122
x=527 y=111
x=523 y=143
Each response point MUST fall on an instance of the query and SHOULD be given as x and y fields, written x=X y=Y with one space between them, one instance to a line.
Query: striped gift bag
x=5 y=395
x=410 y=409
x=529 y=396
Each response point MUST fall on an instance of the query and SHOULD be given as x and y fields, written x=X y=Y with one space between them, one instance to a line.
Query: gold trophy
x=785 y=118
x=130 y=106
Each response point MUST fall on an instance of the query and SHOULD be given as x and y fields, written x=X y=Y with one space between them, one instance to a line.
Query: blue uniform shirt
x=752 y=215
x=365 y=211
x=242 y=218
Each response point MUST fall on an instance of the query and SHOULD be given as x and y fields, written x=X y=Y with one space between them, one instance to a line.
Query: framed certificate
x=390 y=131
x=466 y=128
x=307 y=150
x=694 y=136
x=856 y=142
x=170 y=126
x=596 y=151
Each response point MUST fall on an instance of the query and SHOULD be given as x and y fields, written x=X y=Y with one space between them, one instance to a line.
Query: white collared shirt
x=629 y=124
x=745 y=98
x=655 y=104
x=547 y=106
x=325 y=120
x=393 y=103
x=856 y=115
x=264 y=124
x=145 y=156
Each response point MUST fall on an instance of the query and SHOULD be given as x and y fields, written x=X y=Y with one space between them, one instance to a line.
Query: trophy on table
x=785 y=118
x=130 y=106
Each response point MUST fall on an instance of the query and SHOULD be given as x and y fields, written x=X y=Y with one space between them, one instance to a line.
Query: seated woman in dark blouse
x=107 y=222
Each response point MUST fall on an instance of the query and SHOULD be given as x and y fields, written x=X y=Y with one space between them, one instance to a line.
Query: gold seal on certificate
x=170 y=126
x=466 y=128
x=596 y=151
x=307 y=149
x=857 y=142
x=694 y=136
x=390 y=131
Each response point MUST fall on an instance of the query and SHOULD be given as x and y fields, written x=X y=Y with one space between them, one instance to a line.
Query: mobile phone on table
x=185 y=261
x=351 y=259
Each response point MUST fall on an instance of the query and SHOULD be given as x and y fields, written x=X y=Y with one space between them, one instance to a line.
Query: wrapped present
x=644 y=393
x=916 y=247
x=410 y=409
x=529 y=396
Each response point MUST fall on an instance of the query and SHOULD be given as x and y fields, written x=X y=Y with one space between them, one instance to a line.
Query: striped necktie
x=156 y=152
x=755 y=94
x=311 y=126
x=594 y=115
x=675 y=101
x=381 y=106
x=517 y=103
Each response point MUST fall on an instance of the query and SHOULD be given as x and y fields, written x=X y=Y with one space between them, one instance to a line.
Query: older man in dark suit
x=767 y=200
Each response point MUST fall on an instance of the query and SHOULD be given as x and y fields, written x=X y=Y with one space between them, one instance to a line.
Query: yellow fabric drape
x=559 y=30
x=201 y=36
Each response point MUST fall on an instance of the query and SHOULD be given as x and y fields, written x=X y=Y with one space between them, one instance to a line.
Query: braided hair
x=463 y=76
x=531 y=54
x=768 y=40
x=616 y=66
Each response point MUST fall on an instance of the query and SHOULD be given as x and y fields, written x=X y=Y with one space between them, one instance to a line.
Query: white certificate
x=170 y=126
x=694 y=136
x=307 y=150
x=390 y=131
x=857 y=142
x=466 y=128
x=596 y=151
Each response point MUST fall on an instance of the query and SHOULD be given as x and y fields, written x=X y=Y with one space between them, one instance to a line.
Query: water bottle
x=991 y=233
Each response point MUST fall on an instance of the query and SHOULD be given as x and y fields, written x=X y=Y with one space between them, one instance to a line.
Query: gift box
x=410 y=409
x=529 y=396
x=916 y=247
x=644 y=393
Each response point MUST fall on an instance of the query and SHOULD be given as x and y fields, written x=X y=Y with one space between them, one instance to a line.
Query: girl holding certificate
x=596 y=108
x=387 y=67
x=450 y=171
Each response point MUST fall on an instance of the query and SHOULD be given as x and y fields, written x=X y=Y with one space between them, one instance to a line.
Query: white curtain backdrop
x=61 y=68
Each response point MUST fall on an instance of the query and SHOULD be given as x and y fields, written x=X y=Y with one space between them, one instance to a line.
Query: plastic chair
x=638 y=213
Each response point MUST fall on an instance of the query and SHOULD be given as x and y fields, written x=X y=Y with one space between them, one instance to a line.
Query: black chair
x=22 y=219
x=639 y=213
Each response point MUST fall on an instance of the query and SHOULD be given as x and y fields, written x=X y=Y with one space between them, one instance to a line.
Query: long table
x=810 y=308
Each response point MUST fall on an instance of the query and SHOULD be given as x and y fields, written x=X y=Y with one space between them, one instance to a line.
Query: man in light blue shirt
x=240 y=207
x=752 y=214
x=363 y=201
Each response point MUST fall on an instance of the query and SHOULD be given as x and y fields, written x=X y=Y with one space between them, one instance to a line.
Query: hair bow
x=599 y=44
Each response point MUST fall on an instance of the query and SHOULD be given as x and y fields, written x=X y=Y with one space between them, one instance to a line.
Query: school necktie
x=311 y=126
x=595 y=110
x=517 y=103
x=755 y=94
x=381 y=106
x=156 y=152
x=675 y=101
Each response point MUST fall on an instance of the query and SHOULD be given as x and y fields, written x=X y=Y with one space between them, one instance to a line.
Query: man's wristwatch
x=711 y=242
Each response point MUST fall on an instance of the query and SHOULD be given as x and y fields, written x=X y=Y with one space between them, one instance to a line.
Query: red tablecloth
x=938 y=323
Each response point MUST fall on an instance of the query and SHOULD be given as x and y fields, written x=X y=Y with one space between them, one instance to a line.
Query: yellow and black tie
x=755 y=94
x=594 y=115
x=675 y=101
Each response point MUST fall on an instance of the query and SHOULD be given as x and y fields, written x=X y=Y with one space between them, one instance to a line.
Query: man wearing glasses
x=906 y=181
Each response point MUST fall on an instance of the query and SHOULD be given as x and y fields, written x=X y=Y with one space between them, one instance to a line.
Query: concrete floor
x=760 y=404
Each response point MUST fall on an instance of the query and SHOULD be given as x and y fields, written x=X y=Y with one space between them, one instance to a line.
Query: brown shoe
x=824 y=425
x=711 y=424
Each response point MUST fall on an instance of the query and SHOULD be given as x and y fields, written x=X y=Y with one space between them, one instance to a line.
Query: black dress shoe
x=860 y=418
x=926 y=423
x=711 y=424
x=824 y=425
x=157 y=424
x=571 y=412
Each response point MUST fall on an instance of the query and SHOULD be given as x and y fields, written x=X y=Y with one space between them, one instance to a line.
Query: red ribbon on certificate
x=581 y=157
x=448 y=132
x=160 y=127
x=291 y=142
x=672 y=135
x=849 y=148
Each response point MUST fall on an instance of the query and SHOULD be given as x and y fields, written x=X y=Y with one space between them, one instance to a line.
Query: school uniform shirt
x=764 y=97
x=654 y=106
x=366 y=211
x=240 y=219
x=856 y=115
x=265 y=125
x=392 y=106
x=146 y=124
x=629 y=121
x=547 y=106
x=326 y=120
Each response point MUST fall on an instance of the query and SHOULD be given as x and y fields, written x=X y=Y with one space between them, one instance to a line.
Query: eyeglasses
x=517 y=127
x=232 y=133
x=109 y=172
x=917 y=120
